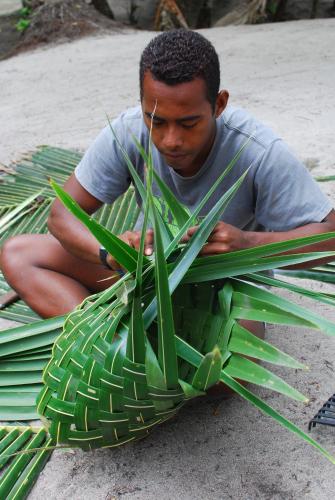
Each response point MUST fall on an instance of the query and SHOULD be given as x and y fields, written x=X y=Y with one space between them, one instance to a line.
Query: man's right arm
x=71 y=233
x=75 y=237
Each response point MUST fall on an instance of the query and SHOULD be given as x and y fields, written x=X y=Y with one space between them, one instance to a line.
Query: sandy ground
x=284 y=74
x=9 y=6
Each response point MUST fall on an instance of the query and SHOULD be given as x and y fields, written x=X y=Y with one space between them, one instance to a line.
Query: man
x=195 y=135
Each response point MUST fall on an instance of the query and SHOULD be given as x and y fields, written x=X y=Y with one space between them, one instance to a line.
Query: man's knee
x=16 y=255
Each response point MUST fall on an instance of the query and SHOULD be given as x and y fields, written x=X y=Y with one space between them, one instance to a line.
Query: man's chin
x=178 y=164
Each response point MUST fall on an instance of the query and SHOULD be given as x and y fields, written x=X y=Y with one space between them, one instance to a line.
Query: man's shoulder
x=127 y=124
x=132 y=113
x=238 y=123
x=130 y=118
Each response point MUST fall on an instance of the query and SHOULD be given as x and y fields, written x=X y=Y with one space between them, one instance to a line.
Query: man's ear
x=221 y=102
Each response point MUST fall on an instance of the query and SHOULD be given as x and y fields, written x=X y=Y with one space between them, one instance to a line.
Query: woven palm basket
x=95 y=395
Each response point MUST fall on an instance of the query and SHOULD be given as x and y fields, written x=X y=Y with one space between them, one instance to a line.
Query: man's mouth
x=174 y=156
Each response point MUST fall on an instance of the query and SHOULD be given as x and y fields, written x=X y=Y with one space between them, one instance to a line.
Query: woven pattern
x=91 y=384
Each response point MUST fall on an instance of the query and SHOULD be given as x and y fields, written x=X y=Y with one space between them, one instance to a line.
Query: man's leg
x=47 y=277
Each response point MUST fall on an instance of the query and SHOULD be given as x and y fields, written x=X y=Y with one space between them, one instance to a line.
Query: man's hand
x=224 y=238
x=133 y=239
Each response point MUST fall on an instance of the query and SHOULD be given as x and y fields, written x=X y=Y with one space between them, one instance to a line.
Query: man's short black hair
x=180 y=56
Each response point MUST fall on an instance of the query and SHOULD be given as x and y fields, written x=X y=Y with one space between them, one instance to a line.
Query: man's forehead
x=154 y=88
x=184 y=99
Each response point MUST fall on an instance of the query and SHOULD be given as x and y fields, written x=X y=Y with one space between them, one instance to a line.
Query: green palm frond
x=130 y=357
x=22 y=469
x=325 y=273
x=325 y=178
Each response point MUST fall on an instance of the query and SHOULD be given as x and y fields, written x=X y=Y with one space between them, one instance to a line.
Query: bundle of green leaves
x=129 y=357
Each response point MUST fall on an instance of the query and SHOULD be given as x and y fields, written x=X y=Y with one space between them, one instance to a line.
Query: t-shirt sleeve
x=286 y=195
x=102 y=171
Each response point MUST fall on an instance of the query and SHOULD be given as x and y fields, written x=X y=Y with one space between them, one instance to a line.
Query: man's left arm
x=227 y=238
x=289 y=204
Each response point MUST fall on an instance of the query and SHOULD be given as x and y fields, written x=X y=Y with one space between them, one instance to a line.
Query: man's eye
x=156 y=123
x=188 y=125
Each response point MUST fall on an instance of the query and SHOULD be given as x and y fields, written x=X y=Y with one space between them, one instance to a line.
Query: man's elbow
x=54 y=221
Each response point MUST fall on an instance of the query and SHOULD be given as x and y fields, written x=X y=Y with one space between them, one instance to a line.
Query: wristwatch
x=103 y=257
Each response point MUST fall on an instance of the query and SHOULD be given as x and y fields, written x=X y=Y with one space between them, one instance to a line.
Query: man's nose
x=172 y=139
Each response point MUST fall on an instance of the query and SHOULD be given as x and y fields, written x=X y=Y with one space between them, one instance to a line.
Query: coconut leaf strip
x=242 y=341
x=17 y=413
x=308 y=274
x=166 y=235
x=209 y=272
x=123 y=253
x=167 y=356
x=22 y=332
x=193 y=247
x=15 y=446
x=327 y=298
x=180 y=213
x=21 y=475
x=14 y=213
x=271 y=412
x=189 y=354
x=242 y=368
x=251 y=254
x=249 y=296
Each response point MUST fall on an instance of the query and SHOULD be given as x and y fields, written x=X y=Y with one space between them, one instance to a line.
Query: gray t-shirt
x=278 y=193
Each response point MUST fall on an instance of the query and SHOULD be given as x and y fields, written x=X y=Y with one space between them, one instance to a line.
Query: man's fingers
x=189 y=233
x=192 y=230
x=214 y=249
x=218 y=236
x=134 y=239
x=149 y=241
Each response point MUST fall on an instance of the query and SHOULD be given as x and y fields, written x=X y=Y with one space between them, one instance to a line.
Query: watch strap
x=103 y=258
x=103 y=254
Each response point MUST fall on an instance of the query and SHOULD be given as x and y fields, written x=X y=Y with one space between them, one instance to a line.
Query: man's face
x=184 y=124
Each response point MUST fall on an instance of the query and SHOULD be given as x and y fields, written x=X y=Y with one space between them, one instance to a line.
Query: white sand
x=284 y=74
